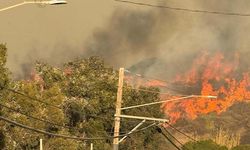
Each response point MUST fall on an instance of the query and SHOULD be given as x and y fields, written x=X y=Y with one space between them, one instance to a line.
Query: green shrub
x=242 y=147
x=203 y=145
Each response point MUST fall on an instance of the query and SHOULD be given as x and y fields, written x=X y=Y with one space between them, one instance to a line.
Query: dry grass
x=226 y=138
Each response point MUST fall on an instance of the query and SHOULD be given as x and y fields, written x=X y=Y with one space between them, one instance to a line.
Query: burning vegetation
x=210 y=75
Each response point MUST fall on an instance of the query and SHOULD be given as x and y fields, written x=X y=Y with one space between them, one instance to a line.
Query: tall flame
x=212 y=76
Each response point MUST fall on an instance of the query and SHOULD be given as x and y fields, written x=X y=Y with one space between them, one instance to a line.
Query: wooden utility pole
x=91 y=146
x=41 y=144
x=118 y=110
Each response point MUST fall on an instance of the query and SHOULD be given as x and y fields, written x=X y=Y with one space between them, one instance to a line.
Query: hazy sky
x=123 y=34
x=30 y=29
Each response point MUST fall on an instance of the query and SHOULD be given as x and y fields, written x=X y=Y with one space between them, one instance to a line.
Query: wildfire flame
x=216 y=76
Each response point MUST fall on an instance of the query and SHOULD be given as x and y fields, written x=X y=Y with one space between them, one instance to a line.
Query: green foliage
x=60 y=144
x=85 y=90
x=48 y=74
x=203 y=145
x=91 y=89
x=4 y=82
x=4 y=72
x=23 y=138
x=242 y=147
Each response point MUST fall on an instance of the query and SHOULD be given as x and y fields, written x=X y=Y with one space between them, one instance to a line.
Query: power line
x=181 y=132
x=39 y=100
x=156 y=79
x=186 y=9
x=145 y=90
x=160 y=131
x=17 y=92
x=48 y=133
x=182 y=145
x=32 y=98
x=42 y=120
x=66 y=136
x=142 y=129
x=149 y=126
x=145 y=77
x=50 y=122
x=156 y=92
x=41 y=131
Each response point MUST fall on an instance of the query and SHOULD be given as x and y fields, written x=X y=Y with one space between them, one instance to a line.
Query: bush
x=203 y=145
x=242 y=147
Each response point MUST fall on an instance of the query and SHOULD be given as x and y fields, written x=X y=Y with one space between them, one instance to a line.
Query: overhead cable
x=32 y=98
x=48 y=133
x=160 y=131
x=47 y=121
x=35 y=118
x=151 y=91
x=191 y=138
x=182 y=145
x=67 y=136
x=186 y=9
x=40 y=100
x=156 y=79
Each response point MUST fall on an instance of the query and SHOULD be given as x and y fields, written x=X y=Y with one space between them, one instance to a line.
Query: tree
x=20 y=138
x=12 y=103
x=91 y=88
x=4 y=81
x=60 y=144
x=4 y=71
x=204 y=145
x=84 y=93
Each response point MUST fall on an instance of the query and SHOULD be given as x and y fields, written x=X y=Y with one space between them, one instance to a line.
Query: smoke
x=162 y=43
x=153 y=41
x=131 y=36
x=61 y=53
x=195 y=33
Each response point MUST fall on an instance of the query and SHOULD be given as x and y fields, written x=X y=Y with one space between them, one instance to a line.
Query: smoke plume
x=161 y=42
x=153 y=41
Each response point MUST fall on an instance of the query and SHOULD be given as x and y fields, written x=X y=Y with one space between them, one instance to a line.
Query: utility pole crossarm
x=143 y=118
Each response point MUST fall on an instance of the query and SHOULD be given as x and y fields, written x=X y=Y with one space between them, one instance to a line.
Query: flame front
x=216 y=76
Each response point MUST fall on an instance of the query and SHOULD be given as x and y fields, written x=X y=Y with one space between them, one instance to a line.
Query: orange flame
x=215 y=76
